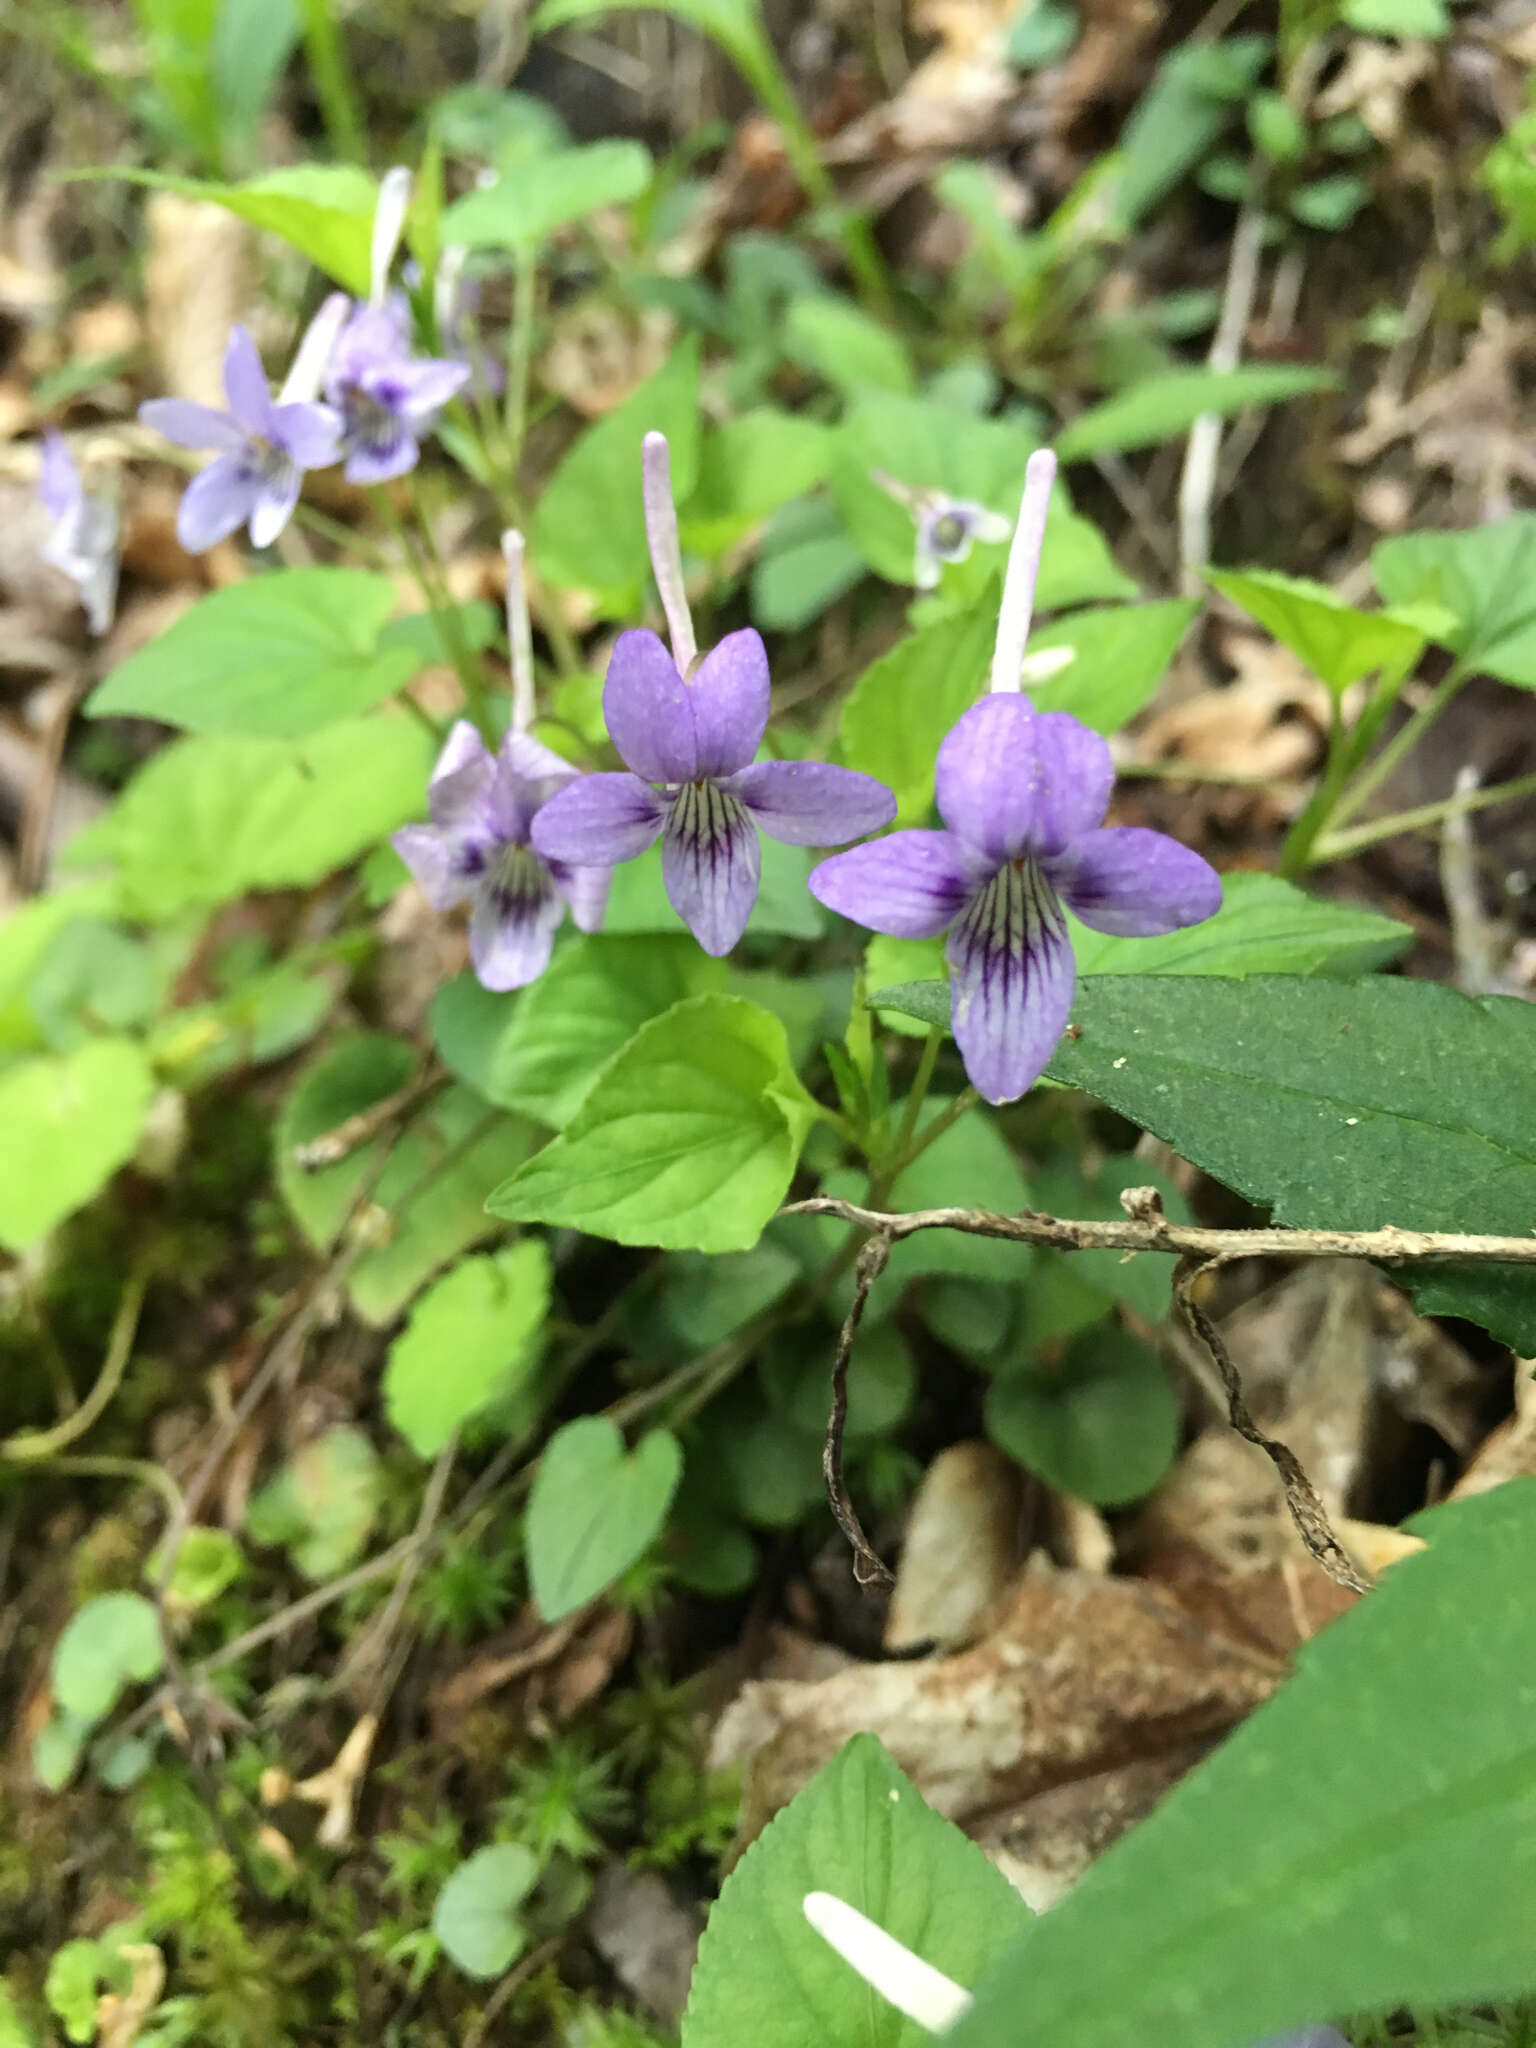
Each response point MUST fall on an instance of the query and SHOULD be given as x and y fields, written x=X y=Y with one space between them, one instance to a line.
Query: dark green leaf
x=1485 y=577
x=1101 y=1423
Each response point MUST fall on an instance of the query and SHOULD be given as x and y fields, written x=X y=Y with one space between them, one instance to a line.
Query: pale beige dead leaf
x=1374 y=82
x=646 y=1937
x=196 y=279
x=119 y=2018
x=961 y=1549
x=1510 y=1452
x=601 y=351
x=1081 y=1675
x=337 y=1786
x=109 y=328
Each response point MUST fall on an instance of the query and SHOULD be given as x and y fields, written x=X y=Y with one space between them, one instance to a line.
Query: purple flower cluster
x=379 y=401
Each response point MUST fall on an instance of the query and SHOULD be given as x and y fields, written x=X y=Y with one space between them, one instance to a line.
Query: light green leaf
x=110 y=1643
x=852 y=350
x=57 y=1749
x=434 y=1183
x=688 y=1140
x=574 y=548
x=785 y=908
x=735 y=25
x=1337 y=1854
x=1338 y=1105
x=475 y=1917
x=805 y=563
x=1338 y=643
x=470 y=1337
x=1100 y=1423
x=1330 y=203
x=282 y=655
x=526 y=205
x=325 y=211
x=212 y=817
x=69 y=1122
x=1118 y=659
x=1199 y=90
x=72 y=1985
x=595 y=1508
x=930 y=446
x=904 y=703
x=1401 y=18
x=208 y=1562
x=1160 y=407
x=748 y=468
x=860 y=1831
x=541 y=1050
x=705 y=1298
x=1485 y=577
x=322 y=1505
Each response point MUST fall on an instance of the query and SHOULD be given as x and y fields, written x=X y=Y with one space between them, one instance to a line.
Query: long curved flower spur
x=83 y=543
x=477 y=847
x=1022 y=795
x=688 y=737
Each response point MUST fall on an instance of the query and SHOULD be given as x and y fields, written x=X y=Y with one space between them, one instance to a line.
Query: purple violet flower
x=387 y=398
x=477 y=849
x=83 y=543
x=265 y=445
x=689 y=747
x=1022 y=795
x=947 y=528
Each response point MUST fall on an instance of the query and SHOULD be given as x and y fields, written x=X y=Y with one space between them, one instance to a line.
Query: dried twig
x=1150 y=1231
x=868 y=1567
x=1202 y=453
x=1307 y=1510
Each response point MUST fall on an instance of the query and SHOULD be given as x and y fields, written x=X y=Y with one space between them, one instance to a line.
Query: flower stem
x=43 y=1445
x=425 y=565
x=1336 y=845
x=1400 y=745
x=332 y=78
x=1023 y=573
x=525 y=281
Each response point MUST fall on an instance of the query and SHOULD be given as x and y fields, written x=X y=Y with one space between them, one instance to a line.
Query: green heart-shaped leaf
x=595 y=1508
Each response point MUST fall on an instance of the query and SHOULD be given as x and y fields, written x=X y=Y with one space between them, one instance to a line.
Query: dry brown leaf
x=1510 y=1452
x=1082 y=1674
x=600 y=352
x=119 y=2018
x=196 y=277
x=1374 y=82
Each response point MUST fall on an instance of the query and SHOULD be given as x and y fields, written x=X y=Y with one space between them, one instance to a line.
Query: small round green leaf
x=595 y=1509
x=111 y=1643
x=475 y=1917
x=1103 y=1425
x=69 y=1124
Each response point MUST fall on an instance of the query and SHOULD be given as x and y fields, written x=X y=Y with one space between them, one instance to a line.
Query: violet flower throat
x=1022 y=795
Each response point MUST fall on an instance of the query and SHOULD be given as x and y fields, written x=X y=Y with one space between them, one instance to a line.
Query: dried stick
x=1150 y=1231
x=1203 y=450
x=1307 y=1510
x=868 y=1568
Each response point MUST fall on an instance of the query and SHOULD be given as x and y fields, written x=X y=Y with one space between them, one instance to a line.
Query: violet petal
x=512 y=928
x=912 y=885
x=381 y=463
x=217 y=500
x=276 y=497
x=811 y=803
x=599 y=820
x=987 y=776
x=1134 y=883
x=245 y=384
x=1077 y=773
x=729 y=691
x=448 y=867
x=423 y=388
x=1013 y=977
x=311 y=434
x=711 y=863
x=58 y=480
x=586 y=891
x=535 y=762
x=648 y=710
x=190 y=425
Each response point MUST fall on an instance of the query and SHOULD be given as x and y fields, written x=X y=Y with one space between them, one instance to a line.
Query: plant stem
x=912 y=1109
x=422 y=558
x=38 y=1446
x=525 y=283
x=1400 y=745
x=1335 y=845
x=332 y=78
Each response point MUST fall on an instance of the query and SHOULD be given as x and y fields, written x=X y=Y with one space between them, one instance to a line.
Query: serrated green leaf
x=470 y=1336
x=1485 y=577
x=1338 y=1853
x=903 y=704
x=688 y=1140
x=540 y=1051
x=578 y=550
x=325 y=211
x=212 y=817
x=595 y=1509
x=280 y=655
x=1119 y=657
x=475 y=1917
x=748 y=467
x=805 y=562
x=1160 y=407
x=1338 y=1105
x=524 y=207
x=860 y=1831
x=70 y=1122
x=848 y=347
x=110 y=1643
x=1338 y=643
